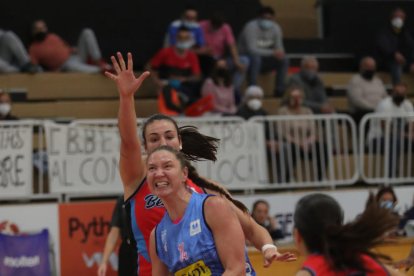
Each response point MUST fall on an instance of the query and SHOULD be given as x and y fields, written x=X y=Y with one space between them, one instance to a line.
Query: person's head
x=386 y=198
x=367 y=68
x=189 y=16
x=253 y=97
x=221 y=74
x=293 y=97
x=399 y=93
x=39 y=30
x=166 y=171
x=397 y=18
x=266 y=17
x=319 y=228
x=160 y=130
x=184 y=39
x=5 y=104
x=217 y=20
x=309 y=67
x=260 y=211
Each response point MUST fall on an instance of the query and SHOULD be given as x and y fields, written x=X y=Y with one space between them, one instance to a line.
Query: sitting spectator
x=312 y=85
x=300 y=135
x=365 y=90
x=261 y=40
x=220 y=40
x=52 y=53
x=5 y=107
x=13 y=55
x=398 y=137
x=189 y=19
x=386 y=198
x=260 y=214
x=395 y=45
x=221 y=88
x=252 y=103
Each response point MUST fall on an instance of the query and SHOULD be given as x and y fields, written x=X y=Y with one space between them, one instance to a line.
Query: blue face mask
x=174 y=83
x=387 y=204
x=184 y=45
x=265 y=24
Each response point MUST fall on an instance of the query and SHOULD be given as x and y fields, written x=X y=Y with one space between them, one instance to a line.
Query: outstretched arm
x=131 y=164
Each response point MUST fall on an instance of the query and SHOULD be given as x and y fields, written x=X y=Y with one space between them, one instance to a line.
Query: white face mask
x=254 y=104
x=5 y=109
x=397 y=22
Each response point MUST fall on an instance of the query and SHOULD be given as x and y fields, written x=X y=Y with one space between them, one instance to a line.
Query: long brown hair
x=319 y=220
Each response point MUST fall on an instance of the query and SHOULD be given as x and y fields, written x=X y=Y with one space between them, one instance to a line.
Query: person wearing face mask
x=54 y=54
x=300 y=135
x=395 y=104
x=365 y=90
x=395 y=45
x=309 y=81
x=220 y=39
x=252 y=104
x=261 y=40
x=221 y=88
x=178 y=67
x=5 y=107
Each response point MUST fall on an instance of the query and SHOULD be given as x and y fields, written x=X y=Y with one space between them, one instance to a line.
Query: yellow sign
x=196 y=269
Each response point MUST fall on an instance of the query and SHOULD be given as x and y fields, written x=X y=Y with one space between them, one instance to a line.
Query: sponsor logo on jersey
x=195 y=227
x=196 y=269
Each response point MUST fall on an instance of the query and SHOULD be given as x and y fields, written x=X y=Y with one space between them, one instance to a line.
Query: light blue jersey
x=187 y=247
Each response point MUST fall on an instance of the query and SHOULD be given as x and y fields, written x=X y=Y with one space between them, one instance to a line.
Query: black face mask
x=40 y=36
x=398 y=99
x=368 y=74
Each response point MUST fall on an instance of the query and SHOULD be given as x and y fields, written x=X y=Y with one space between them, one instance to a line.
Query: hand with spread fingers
x=125 y=79
x=272 y=254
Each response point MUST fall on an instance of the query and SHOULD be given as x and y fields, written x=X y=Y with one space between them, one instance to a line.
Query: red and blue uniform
x=143 y=211
x=317 y=265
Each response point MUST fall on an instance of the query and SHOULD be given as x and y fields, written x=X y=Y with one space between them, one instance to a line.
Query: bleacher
x=73 y=95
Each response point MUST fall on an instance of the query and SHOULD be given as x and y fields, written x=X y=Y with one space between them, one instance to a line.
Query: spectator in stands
x=331 y=247
x=395 y=45
x=386 y=198
x=189 y=19
x=221 y=88
x=178 y=66
x=220 y=40
x=260 y=213
x=315 y=96
x=5 y=107
x=127 y=255
x=54 y=54
x=299 y=136
x=262 y=41
x=365 y=90
x=400 y=130
x=252 y=104
x=13 y=55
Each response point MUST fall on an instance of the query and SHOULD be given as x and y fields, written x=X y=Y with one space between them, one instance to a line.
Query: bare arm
x=158 y=267
x=110 y=244
x=131 y=163
x=228 y=235
x=255 y=233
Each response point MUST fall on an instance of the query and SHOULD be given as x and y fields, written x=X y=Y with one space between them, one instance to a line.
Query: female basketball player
x=333 y=248
x=199 y=232
x=144 y=209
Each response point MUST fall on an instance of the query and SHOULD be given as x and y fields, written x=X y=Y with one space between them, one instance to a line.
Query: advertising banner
x=83 y=231
x=25 y=255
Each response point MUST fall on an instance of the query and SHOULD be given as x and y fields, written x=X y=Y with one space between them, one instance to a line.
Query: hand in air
x=125 y=79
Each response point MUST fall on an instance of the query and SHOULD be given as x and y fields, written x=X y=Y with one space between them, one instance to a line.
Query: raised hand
x=125 y=79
